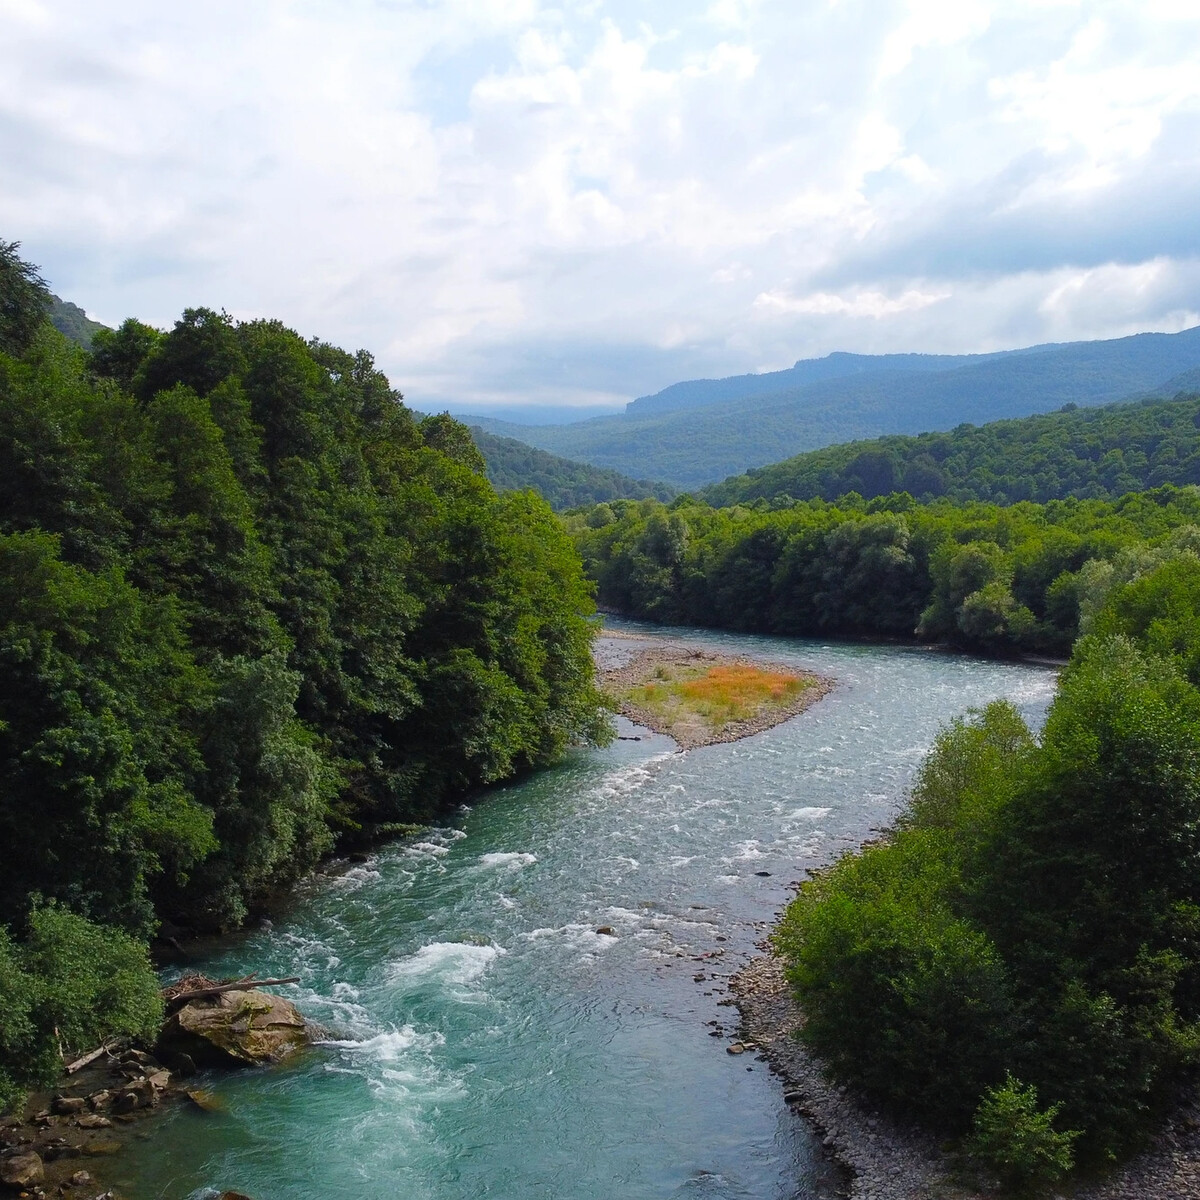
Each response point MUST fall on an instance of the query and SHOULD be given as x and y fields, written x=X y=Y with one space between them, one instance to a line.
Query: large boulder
x=239 y=1028
x=21 y=1171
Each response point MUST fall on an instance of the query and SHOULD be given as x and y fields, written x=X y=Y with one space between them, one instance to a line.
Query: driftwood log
x=92 y=1055
x=237 y=985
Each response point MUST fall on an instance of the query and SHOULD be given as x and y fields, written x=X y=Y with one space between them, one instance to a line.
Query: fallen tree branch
x=238 y=985
x=91 y=1057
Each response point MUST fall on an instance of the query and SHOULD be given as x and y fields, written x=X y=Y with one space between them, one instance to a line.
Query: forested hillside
x=1086 y=453
x=699 y=393
x=693 y=446
x=252 y=608
x=73 y=323
x=563 y=484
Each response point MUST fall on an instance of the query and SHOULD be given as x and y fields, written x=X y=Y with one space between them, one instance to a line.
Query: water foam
x=513 y=860
x=446 y=962
x=627 y=780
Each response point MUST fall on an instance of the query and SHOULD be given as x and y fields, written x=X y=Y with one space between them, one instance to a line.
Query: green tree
x=24 y=300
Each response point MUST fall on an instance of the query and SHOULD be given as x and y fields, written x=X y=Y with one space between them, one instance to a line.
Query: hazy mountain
x=514 y=465
x=1089 y=453
x=693 y=445
x=697 y=393
x=533 y=414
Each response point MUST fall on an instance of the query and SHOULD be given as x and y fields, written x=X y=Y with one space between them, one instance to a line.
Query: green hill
x=513 y=466
x=1087 y=453
x=707 y=440
x=72 y=322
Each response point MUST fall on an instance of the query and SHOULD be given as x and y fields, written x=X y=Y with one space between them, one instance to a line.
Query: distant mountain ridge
x=72 y=322
x=685 y=442
x=841 y=364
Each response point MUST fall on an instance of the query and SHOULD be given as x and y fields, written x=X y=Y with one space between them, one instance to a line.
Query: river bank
x=889 y=1160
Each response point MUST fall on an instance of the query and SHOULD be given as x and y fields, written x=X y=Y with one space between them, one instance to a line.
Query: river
x=487 y=1041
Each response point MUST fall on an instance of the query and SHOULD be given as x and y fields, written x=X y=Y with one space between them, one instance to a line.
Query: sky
x=516 y=202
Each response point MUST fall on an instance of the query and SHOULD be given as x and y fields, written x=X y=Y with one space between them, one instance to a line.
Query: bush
x=1017 y=1140
x=67 y=988
x=901 y=997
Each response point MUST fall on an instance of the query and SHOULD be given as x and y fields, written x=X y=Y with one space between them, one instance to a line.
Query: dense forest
x=1016 y=579
x=1088 y=453
x=252 y=609
x=1018 y=962
x=73 y=323
x=563 y=484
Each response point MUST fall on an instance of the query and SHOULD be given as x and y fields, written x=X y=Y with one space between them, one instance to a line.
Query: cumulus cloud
x=520 y=200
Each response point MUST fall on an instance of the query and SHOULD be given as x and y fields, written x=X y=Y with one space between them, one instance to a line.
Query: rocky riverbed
x=58 y=1145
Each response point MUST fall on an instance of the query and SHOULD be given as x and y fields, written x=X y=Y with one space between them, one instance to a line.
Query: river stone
x=235 y=1029
x=21 y=1171
x=205 y=1100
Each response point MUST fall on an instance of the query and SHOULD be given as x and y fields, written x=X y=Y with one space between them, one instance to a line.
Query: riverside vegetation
x=252 y=609
x=1018 y=962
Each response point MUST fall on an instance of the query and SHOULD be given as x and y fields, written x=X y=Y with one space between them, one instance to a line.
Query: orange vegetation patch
x=728 y=692
x=740 y=684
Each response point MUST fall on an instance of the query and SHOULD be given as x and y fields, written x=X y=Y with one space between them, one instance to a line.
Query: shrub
x=71 y=985
x=1017 y=1140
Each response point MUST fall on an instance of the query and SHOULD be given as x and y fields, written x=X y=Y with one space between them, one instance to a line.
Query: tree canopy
x=252 y=608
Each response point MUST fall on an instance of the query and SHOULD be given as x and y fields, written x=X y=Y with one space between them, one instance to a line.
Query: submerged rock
x=237 y=1028
x=22 y=1171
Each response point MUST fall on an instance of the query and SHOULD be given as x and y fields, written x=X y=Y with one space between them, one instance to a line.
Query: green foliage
x=903 y=995
x=1016 y=1140
x=249 y=605
x=24 y=300
x=1034 y=914
x=97 y=757
x=902 y=998
x=73 y=323
x=118 y=354
x=65 y=988
x=987 y=578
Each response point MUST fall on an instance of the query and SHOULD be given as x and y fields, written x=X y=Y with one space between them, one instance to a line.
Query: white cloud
x=860 y=304
x=473 y=188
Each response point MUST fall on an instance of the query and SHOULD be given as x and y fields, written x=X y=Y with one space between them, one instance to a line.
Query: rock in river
x=21 y=1171
x=237 y=1028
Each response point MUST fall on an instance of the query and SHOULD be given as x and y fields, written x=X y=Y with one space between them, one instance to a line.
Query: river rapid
x=485 y=1040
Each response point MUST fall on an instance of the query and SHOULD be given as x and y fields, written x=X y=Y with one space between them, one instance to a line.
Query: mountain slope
x=72 y=322
x=1089 y=453
x=697 y=393
x=563 y=484
x=697 y=445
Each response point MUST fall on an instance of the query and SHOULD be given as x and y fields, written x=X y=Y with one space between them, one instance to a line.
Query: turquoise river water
x=486 y=1041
